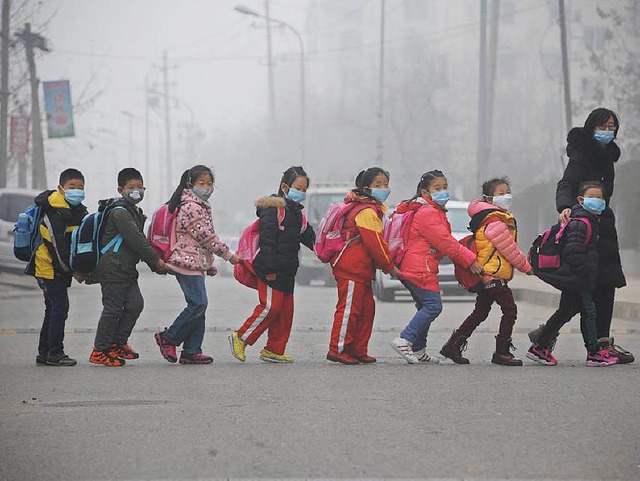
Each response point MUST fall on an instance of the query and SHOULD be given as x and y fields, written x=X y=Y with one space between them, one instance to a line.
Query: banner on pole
x=57 y=103
x=19 y=134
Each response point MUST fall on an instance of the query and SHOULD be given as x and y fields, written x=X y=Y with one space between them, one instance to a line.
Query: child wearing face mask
x=283 y=228
x=355 y=268
x=496 y=232
x=196 y=242
x=63 y=211
x=122 y=301
x=428 y=242
x=576 y=278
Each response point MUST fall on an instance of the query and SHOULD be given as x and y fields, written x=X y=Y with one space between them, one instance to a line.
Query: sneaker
x=237 y=347
x=403 y=347
x=167 y=350
x=125 y=351
x=535 y=335
x=624 y=357
x=106 y=358
x=62 y=360
x=342 y=358
x=541 y=355
x=365 y=359
x=422 y=356
x=195 y=358
x=268 y=356
x=601 y=358
x=41 y=360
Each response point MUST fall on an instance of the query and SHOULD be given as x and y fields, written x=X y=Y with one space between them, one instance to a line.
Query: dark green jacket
x=121 y=266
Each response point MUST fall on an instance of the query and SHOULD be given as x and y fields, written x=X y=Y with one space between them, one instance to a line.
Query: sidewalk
x=531 y=289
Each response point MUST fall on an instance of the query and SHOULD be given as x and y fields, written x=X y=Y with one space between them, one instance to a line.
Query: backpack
x=248 y=248
x=27 y=236
x=85 y=241
x=162 y=231
x=396 y=234
x=329 y=241
x=467 y=279
x=544 y=254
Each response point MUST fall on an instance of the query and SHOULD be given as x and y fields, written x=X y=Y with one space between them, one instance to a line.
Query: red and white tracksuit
x=275 y=313
x=355 y=271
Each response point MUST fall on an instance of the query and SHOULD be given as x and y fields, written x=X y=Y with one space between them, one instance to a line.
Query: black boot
x=454 y=347
x=503 y=354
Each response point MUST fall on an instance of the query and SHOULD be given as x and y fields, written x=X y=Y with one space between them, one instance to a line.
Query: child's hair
x=125 y=175
x=489 y=187
x=290 y=175
x=188 y=177
x=365 y=178
x=589 y=184
x=70 y=174
x=426 y=179
x=599 y=117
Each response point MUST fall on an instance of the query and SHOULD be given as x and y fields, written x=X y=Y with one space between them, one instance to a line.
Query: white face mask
x=503 y=201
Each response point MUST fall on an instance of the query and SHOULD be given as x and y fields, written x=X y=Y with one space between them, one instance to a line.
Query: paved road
x=153 y=420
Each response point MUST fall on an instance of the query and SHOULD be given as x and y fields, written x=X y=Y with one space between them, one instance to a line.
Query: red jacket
x=368 y=250
x=429 y=241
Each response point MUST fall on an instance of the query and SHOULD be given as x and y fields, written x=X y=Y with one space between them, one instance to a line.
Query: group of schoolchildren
x=282 y=228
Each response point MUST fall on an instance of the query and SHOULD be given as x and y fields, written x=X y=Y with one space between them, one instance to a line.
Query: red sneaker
x=342 y=358
x=167 y=350
x=125 y=351
x=365 y=359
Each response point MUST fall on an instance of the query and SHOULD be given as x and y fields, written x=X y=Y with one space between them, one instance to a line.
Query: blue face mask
x=594 y=205
x=295 y=195
x=381 y=195
x=440 y=198
x=603 y=137
x=74 y=196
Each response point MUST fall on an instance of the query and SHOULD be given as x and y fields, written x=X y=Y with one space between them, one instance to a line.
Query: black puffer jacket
x=280 y=243
x=579 y=261
x=588 y=160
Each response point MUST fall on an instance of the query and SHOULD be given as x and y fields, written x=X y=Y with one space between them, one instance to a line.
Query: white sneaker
x=422 y=356
x=403 y=347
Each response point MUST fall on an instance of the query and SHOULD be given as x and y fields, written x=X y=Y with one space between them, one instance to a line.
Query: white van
x=12 y=203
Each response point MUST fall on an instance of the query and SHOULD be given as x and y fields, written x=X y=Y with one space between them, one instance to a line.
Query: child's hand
x=395 y=273
x=564 y=216
x=212 y=272
x=235 y=259
x=161 y=267
x=271 y=277
x=476 y=269
x=80 y=278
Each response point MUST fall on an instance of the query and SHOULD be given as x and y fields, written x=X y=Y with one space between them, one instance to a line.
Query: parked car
x=386 y=288
x=12 y=203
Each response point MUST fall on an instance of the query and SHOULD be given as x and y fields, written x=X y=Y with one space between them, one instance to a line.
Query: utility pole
x=565 y=66
x=271 y=84
x=167 y=120
x=33 y=40
x=4 y=90
x=380 y=142
x=147 y=166
x=493 y=66
x=482 y=95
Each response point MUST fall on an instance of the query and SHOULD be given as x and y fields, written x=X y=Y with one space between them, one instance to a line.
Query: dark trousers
x=572 y=303
x=603 y=297
x=500 y=294
x=122 y=304
x=56 y=311
x=188 y=327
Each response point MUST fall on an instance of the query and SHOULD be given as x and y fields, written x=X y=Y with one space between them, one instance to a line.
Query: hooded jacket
x=578 y=260
x=367 y=250
x=52 y=256
x=588 y=160
x=429 y=241
x=121 y=266
x=196 y=240
x=280 y=244
x=496 y=242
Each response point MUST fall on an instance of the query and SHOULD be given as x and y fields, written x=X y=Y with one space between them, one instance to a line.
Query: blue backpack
x=27 y=236
x=85 y=241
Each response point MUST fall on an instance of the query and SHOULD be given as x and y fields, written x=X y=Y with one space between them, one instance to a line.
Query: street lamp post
x=303 y=117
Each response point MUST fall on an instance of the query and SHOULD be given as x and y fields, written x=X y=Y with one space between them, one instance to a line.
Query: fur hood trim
x=270 y=201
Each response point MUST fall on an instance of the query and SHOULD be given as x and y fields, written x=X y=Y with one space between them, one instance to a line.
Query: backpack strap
x=589 y=228
x=47 y=223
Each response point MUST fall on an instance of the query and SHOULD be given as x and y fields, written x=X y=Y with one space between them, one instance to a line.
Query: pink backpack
x=248 y=248
x=162 y=231
x=329 y=240
x=396 y=234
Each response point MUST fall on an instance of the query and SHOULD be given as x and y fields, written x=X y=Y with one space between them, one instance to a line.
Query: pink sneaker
x=195 y=359
x=167 y=350
x=601 y=358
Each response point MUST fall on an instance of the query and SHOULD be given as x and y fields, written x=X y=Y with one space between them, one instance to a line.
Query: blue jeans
x=188 y=328
x=429 y=306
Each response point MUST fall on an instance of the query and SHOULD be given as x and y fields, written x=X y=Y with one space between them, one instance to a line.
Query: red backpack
x=467 y=279
x=396 y=233
x=162 y=231
x=330 y=244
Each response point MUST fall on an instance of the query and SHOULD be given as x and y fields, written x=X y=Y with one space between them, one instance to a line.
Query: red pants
x=353 y=320
x=275 y=312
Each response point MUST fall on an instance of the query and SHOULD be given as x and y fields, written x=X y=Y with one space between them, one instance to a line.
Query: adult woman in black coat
x=593 y=152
